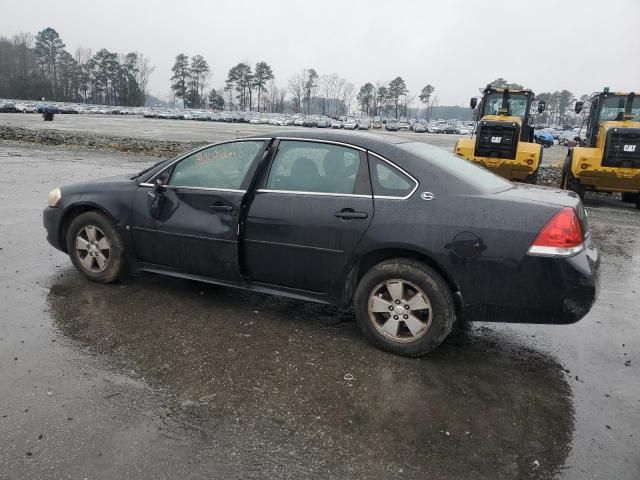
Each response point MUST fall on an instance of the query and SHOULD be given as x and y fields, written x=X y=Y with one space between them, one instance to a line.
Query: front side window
x=219 y=166
x=315 y=167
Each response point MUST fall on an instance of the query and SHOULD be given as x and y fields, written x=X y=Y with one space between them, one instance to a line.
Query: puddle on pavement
x=301 y=378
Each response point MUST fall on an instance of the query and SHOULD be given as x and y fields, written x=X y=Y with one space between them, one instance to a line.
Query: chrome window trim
x=207 y=189
x=404 y=172
x=318 y=194
x=192 y=152
x=317 y=140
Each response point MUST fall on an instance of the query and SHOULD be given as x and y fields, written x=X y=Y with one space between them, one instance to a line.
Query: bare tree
x=347 y=96
x=297 y=85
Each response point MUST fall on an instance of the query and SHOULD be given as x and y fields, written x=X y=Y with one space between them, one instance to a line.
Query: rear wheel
x=629 y=197
x=95 y=248
x=404 y=307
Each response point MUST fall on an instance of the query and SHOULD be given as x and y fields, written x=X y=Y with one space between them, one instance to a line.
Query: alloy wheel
x=93 y=249
x=400 y=310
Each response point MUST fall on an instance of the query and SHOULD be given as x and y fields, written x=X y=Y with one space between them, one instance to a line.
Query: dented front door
x=195 y=228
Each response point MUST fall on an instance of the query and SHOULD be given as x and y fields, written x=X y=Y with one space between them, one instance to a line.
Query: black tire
x=115 y=266
x=638 y=202
x=574 y=185
x=442 y=311
x=629 y=197
x=532 y=179
x=569 y=181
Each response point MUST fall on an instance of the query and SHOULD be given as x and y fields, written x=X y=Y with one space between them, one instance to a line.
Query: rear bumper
x=545 y=290
x=52 y=219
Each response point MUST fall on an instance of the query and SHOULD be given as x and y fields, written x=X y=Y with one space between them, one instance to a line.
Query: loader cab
x=609 y=162
x=609 y=107
x=504 y=141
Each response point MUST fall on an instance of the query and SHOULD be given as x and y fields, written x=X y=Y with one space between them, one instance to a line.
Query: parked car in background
x=336 y=124
x=26 y=107
x=403 y=125
x=40 y=107
x=309 y=122
x=350 y=124
x=323 y=122
x=544 y=138
x=364 y=124
x=8 y=108
x=261 y=214
x=377 y=122
x=419 y=127
x=391 y=126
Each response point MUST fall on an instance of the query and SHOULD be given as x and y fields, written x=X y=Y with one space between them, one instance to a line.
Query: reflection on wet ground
x=303 y=381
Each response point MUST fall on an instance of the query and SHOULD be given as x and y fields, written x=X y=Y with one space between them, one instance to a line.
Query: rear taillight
x=561 y=237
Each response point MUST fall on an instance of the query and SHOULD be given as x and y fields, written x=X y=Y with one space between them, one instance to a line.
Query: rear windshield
x=476 y=176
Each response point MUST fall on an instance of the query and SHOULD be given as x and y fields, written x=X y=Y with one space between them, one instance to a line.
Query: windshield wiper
x=139 y=174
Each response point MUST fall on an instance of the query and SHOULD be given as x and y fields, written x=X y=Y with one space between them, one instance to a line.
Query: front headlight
x=54 y=197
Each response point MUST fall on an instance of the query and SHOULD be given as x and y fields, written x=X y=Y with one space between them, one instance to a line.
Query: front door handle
x=220 y=207
x=349 y=213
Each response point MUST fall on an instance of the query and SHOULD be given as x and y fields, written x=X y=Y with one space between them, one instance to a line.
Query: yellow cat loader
x=504 y=139
x=610 y=160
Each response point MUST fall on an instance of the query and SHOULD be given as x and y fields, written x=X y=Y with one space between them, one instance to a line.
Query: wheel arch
x=72 y=212
x=374 y=257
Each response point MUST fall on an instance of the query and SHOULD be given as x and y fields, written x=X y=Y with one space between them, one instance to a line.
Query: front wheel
x=404 y=307
x=95 y=247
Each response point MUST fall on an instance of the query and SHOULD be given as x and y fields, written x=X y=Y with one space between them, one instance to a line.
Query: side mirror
x=578 y=107
x=474 y=103
x=541 y=106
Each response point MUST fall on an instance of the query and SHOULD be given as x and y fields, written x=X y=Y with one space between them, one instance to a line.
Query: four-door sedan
x=411 y=236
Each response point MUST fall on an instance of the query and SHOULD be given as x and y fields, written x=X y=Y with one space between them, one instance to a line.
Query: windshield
x=518 y=103
x=476 y=176
x=613 y=108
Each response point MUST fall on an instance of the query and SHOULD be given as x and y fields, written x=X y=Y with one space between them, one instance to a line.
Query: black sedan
x=411 y=236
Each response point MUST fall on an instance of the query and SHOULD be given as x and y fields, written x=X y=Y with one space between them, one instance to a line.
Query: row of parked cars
x=19 y=106
x=276 y=119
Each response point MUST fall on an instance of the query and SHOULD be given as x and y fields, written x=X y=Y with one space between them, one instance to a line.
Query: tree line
x=392 y=98
x=34 y=67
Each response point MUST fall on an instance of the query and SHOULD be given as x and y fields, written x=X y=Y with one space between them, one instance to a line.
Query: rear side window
x=315 y=167
x=457 y=167
x=221 y=166
x=388 y=181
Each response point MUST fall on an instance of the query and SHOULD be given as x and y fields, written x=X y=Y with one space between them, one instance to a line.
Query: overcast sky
x=457 y=46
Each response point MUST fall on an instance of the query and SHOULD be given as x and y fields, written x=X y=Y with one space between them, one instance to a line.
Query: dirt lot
x=194 y=131
x=163 y=378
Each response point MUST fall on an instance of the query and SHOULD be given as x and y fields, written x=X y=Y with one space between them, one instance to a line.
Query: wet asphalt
x=159 y=378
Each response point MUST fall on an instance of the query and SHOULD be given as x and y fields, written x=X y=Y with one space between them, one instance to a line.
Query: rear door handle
x=220 y=207
x=349 y=213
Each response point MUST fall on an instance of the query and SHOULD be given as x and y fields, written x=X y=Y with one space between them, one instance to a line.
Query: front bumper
x=52 y=221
